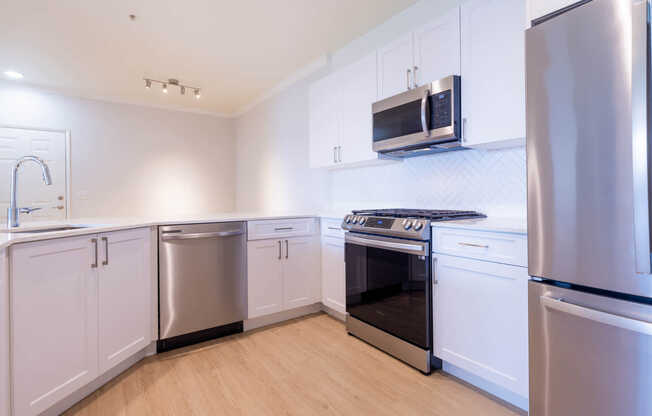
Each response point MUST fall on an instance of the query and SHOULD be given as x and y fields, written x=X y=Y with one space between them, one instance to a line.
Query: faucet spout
x=12 y=212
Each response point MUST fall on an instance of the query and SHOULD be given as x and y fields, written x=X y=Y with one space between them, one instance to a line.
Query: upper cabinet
x=340 y=116
x=540 y=8
x=493 y=73
x=429 y=53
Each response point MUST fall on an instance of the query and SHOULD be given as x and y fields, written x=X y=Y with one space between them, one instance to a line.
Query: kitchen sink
x=42 y=229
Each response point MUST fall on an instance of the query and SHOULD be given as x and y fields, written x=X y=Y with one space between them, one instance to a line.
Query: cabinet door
x=54 y=321
x=357 y=92
x=301 y=272
x=264 y=277
x=394 y=61
x=124 y=295
x=493 y=72
x=481 y=319
x=323 y=122
x=437 y=48
x=333 y=273
x=540 y=8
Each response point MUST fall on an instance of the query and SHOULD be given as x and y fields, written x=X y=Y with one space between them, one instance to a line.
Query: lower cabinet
x=333 y=275
x=75 y=313
x=282 y=274
x=481 y=319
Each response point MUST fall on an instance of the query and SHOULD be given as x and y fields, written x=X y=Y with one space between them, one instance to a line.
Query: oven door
x=388 y=286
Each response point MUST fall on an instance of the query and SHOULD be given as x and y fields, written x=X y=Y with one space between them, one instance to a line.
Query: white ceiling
x=234 y=50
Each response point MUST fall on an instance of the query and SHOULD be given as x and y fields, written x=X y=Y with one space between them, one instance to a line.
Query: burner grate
x=433 y=215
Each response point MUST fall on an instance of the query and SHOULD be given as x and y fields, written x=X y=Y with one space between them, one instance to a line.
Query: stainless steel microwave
x=420 y=121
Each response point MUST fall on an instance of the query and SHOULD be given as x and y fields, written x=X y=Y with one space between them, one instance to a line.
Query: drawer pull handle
x=473 y=245
x=284 y=229
x=334 y=228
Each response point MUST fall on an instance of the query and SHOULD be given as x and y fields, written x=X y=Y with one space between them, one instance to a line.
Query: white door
x=264 y=277
x=333 y=275
x=395 y=62
x=32 y=192
x=493 y=71
x=323 y=122
x=124 y=295
x=301 y=272
x=437 y=48
x=480 y=322
x=358 y=91
x=54 y=321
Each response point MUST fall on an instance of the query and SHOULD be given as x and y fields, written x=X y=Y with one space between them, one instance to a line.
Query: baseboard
x=90 y=388
x=519 y=403
x=275 y=318
x=332 y=312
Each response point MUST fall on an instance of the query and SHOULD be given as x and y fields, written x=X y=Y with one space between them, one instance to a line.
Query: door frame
x=67 y=164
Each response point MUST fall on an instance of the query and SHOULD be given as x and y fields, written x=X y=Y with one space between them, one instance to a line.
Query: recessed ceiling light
x=13 y=74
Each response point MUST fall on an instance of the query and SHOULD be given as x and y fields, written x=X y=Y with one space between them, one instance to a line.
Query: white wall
x=272 y=157
x=272 y=142
x=129 y=160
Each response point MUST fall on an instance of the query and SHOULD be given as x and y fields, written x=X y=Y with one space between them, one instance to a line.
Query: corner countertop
x=103 y=225
x=495 y=224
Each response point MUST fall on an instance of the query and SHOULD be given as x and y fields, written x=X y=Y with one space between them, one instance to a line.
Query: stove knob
x=407 y=224
x=418 y=225
x=347 y=219
x=355 y=219
x=362 y=220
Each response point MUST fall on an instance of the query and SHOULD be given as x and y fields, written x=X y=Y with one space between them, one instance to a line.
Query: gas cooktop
x=406 y=223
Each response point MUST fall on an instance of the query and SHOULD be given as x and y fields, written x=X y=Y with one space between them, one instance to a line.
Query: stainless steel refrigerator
x=590 y=296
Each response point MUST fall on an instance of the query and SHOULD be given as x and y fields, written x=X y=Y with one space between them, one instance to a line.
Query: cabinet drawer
x=332 y=227
x=506 y=248
x=260 y=230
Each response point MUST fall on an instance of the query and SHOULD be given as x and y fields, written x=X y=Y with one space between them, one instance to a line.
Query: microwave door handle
x=424 y=111
x=640 y=139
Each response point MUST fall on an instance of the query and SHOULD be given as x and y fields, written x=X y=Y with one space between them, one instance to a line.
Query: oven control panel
x=413 y=228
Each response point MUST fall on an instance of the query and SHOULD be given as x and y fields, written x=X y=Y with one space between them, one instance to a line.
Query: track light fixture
x=172 y=81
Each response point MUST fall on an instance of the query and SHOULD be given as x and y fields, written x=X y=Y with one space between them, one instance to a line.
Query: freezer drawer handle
x=202 y=235
x=473 y=245
x=284 y=229
x=630 y=324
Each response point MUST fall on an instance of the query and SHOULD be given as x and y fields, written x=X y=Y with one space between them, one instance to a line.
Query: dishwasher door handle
x=196 y=236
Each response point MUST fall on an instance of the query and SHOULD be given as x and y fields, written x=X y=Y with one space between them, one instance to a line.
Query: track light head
x=165 y=88
x=197 y=93
x=182 y=90
x=148 y=83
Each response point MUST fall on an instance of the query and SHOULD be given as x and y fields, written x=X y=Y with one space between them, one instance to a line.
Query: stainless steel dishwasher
x=202 y=282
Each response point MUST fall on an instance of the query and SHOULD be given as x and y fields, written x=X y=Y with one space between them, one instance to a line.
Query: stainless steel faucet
x=13 y=211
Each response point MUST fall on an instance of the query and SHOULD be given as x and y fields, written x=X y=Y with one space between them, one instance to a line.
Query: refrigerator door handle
x=640 y=136
x=622 y=322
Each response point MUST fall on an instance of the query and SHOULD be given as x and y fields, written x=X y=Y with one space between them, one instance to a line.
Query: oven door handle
x=419 y=250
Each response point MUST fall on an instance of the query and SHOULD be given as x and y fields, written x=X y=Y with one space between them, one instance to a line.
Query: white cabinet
x=493 y=73
x=324 y=122
x=282 y=274
x=540 y=8
x=395 y=65
x=429 y=53
x=481 y=320
x=340 y=116
x=264 y=277
x=54 y=321
x=76 y=312
x=437 y=49
x=124 y=295
x=4 y=334
x=357 y=92
x=301 y=283
x=333 y=275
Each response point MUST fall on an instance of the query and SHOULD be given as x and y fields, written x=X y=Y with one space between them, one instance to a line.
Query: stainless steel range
x=389 y=281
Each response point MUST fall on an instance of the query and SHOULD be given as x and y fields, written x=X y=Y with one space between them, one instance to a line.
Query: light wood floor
x=308 y=366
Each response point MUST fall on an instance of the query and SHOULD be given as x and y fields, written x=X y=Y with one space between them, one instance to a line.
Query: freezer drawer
x=589 y=354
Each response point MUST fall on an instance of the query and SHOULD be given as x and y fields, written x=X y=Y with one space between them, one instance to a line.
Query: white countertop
x=496 y=224
x=102 y=225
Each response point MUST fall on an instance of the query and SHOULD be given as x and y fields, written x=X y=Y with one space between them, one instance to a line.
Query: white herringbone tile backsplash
x=489 y=181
